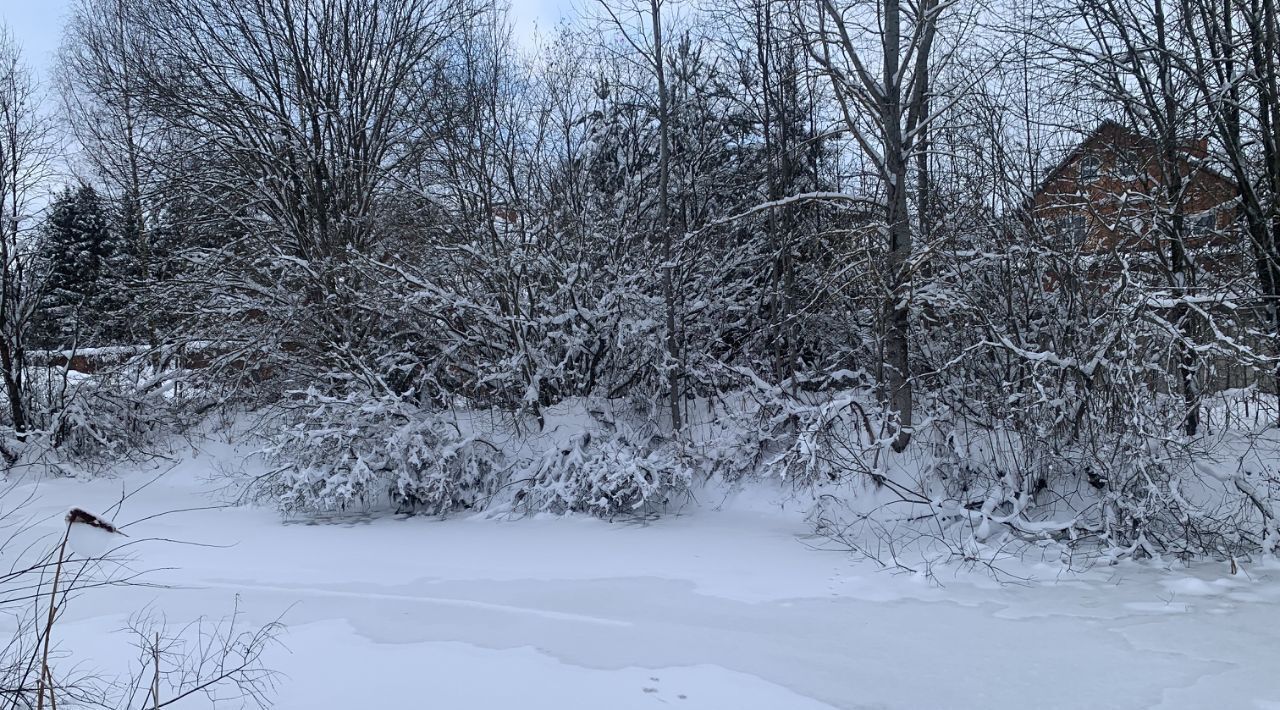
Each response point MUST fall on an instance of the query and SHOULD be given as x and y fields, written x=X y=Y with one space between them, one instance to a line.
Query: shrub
x=355 y=451
x=607 y=475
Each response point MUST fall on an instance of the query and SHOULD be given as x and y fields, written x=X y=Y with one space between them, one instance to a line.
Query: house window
x=1071 y=227
x=1203 y=224
x=1089 y=167
x=1127 y=165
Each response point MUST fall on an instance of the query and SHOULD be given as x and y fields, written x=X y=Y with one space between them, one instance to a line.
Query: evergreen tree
x=82 y=255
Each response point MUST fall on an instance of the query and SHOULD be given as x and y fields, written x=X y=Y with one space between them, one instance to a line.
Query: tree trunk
x=664 y=218
x=897 y=353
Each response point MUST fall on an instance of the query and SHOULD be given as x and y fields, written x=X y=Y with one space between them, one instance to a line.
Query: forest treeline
x=770 y=237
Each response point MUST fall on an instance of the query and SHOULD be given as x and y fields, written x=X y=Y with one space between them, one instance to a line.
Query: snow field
x=713 y=609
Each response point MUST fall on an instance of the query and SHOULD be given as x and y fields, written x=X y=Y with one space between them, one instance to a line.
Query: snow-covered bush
x=109 y=417
x=804 y=435
x=124 y=410
x=607 y=475
x=363 y=452
x=1069 y=415
x=339 y=453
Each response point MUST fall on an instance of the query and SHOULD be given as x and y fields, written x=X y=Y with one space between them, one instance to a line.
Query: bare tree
x=649 y=45
x=121 y=144
x=306 y=101
x=26 y=147
x=778 y=91
x=1128 y=58
x=1230 y=57
x=882 y=86
x=292 y=124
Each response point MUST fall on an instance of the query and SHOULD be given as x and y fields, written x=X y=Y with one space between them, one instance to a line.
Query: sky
x=37 y=24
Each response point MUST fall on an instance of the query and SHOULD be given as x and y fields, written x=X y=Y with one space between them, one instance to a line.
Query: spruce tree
x=80 y=250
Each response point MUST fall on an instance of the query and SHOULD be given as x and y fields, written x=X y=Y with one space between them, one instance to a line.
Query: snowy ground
x=715 y=609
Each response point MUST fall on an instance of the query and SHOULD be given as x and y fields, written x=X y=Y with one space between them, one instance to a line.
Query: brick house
x=1101 y=203
x=1103 y=197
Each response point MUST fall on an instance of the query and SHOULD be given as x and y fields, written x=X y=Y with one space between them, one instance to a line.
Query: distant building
x=1106 y=195
x=1105 y=202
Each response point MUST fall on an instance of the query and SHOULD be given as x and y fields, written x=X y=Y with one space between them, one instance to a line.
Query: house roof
x=1072 y=154
x=1094 y=136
